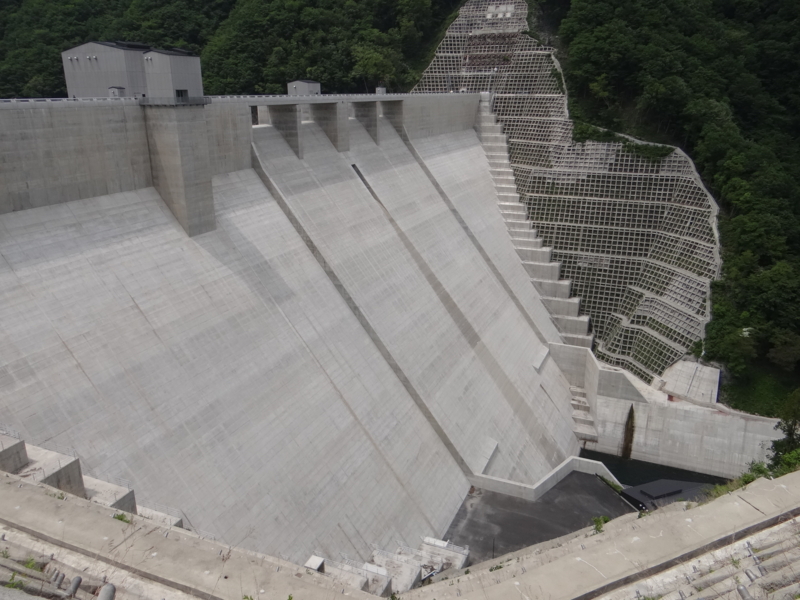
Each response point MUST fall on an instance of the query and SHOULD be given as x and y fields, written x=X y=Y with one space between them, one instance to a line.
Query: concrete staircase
x=582 y=417
x=60 y=468
x=536 y=258
x=391 y=573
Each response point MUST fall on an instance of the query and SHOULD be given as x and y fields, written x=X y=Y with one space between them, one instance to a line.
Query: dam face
x=309 y=324
x=328 y=367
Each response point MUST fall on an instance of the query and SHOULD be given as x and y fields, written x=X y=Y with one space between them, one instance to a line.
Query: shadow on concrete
x=494 y=524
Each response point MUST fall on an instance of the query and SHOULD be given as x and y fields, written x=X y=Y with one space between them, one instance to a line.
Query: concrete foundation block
x=54 y=469
x=13 y=455
x=109 y=494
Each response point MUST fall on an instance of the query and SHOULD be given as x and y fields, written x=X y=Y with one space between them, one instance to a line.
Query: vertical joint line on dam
x=500 y=378
x=487 y=259
x=360 y=316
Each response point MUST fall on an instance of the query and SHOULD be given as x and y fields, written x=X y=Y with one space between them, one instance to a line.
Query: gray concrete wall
x=178 y=143
x=55 y=152
x=679 y=434
x=427 y=116
x=221 y=374
x=229 y=129
x=430 y=297
x=458 y=163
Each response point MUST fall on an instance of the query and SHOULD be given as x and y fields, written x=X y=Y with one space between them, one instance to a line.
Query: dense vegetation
x=247 y=46
x=721 y=79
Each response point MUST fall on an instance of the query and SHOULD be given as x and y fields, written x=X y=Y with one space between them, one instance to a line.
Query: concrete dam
x=307 y=322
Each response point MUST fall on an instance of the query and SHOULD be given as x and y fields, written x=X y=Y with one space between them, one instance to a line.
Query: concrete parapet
x=546 y=483
x=13 y=455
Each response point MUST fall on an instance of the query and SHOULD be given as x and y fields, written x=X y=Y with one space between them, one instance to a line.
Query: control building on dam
x=312 y=323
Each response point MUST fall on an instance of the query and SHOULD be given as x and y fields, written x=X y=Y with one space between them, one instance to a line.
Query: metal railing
x=188 y=101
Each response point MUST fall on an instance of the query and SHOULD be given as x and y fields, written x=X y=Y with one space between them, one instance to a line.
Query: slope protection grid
x=637 y=237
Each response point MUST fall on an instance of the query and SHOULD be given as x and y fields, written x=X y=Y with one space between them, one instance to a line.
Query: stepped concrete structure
x=312 y=335
x=740 y=546
x=604 y=231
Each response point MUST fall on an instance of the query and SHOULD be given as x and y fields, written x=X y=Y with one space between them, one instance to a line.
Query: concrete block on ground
x=160 y=518
x=315 y=563
x=110 y=494
x=405 y=572
x=13 y=455
x=454 y=557
x=54 y=469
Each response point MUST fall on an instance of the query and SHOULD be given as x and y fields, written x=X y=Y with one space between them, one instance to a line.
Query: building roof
x=172 y=52
x=304 y=81
x=137 y=46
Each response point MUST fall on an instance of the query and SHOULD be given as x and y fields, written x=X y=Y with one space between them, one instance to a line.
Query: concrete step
x=577 y=392
x=582 y=417
x=159 y=518
x=492 y=139
x=110 y=494
x=582 y=406
x=520 y=225
x=51 y=468
x=508 y=198
x=553 y=289
x=568 y=307
x=573 y=339
x=572 y=325
x=535 y=255
x=585 y=433
x=515 y=207
x=522 y=243
x=495 y=148
x=505 y=188
x=543 y=270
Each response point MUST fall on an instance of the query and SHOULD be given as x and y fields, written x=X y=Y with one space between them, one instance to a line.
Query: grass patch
x=495 y=568
x=32 y=564
x=614 y=486
x=598 y=523
x=122 y=517
x=583 y=132
x=14 y=583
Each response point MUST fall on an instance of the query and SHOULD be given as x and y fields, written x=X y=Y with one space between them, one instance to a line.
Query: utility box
x=303 y=87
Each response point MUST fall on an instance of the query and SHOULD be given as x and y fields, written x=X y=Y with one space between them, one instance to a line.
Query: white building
x=131 y=70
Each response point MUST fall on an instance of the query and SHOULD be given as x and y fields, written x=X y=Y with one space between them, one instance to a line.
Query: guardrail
x=191 y=101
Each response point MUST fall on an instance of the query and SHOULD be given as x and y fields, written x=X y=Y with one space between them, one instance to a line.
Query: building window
x=181 y=93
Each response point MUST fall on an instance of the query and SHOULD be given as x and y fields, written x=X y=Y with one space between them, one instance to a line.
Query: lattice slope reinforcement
x=636 y=235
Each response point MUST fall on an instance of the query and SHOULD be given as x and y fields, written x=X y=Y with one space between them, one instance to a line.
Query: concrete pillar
x=367 y=115
x=332 y=118
x=286 y=119
x=393 y=112
x=180 y=163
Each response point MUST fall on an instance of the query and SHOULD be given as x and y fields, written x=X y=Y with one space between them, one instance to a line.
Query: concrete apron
x=179 y=560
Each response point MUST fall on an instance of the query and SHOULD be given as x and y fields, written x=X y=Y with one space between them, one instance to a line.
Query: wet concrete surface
x=494 y=524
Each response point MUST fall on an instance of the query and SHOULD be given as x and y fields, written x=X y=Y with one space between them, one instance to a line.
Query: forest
x=246 y=46
x=718 y=78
